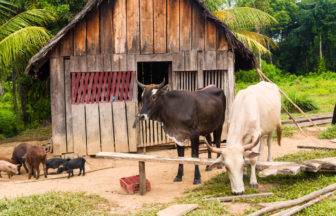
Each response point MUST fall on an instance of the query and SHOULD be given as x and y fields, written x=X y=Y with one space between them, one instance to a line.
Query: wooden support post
x=142 y=177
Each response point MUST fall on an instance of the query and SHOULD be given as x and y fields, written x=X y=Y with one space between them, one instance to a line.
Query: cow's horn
x=214 y=150
x=141 y=85
x=162 y=84
x=252 y=145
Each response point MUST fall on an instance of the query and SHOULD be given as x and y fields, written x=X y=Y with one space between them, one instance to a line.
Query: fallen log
x=300 y=200
x=316 y=147
x=296 y=209
x=230 y=198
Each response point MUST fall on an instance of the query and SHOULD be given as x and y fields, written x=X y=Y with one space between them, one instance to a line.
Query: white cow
x=255 y=112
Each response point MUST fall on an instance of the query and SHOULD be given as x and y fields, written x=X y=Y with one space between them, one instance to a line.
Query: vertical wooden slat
x=155 y=136
x=160 y=29
x=80 y=38
x=222 y=43
x=79 y=132
x=200 y=66
x=75 y=82
x=120 y=127
x=151 y=127
x=106 y=127
x=131 y=85
x=73 y=87
x=55 y=52
x=197 y=31
x=133 y=27
x=210 y=35
x=92 y=30
x=92 y=129
x=185 y=80
x=173 y=8
x=119 y=26
x=185 y=22
x=106 y=27
x=146 y=26
x=132 y=132
x=141 y=143
x=148 y=133
x=58 y=109
x=66 y=44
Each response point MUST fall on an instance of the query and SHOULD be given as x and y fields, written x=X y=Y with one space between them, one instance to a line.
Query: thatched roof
x=247 y=58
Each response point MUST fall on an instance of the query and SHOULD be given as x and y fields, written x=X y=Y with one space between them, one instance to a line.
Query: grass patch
x=330 y=133
x=54 y=203
x=284 y=188
x=302 y=100
x=39 y=134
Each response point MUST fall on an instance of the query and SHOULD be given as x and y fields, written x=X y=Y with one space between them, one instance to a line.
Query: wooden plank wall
x=113 y=37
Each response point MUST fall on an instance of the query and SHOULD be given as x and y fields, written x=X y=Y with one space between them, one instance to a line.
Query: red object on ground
x=132 y=184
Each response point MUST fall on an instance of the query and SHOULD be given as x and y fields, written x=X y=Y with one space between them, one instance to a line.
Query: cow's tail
x=279 y=133
x=86 y=161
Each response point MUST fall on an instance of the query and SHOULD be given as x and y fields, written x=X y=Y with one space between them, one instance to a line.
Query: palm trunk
x=14 y=91
x=320 y=46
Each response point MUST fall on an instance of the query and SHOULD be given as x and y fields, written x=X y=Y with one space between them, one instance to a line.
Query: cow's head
x=233 y=159
x=150 y=95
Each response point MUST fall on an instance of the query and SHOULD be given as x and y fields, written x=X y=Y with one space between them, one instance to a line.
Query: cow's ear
x=251 y=154
x=164 y=89
x=218 y=162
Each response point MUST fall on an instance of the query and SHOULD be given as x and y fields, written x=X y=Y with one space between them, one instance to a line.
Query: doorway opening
x=152 y=73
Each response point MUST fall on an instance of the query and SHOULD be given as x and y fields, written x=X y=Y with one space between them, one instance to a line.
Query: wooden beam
x=316 y=147
x=142 y=177
x=230 y=198
x=177 y=210
x=282 y=169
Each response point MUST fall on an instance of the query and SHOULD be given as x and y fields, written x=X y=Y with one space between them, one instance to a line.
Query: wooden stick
x=64 y=176
x=296 y=209
x=142 y=178
x=230 y=198
x=316 y=147
x=296 y=201
x=292 y=119
x=291 y=101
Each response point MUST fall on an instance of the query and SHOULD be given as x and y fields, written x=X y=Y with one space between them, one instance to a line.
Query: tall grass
x=330 y=133
x=303 y=100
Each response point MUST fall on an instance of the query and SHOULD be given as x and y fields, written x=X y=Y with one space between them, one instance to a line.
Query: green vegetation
x=284 y=188
x=38 y=134
x=54 y=203
x=330 y=133
x=303 y=100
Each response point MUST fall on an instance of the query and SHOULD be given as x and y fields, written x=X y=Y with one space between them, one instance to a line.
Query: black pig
x=69 y=166
x=54 y=163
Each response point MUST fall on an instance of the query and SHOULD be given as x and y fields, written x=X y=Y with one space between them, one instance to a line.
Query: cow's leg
x=24 y=165
x=194 y=153
x=253 y=162
x=45 y=170
x=261 y=149
x=37 y=171
x=30 y=171
x=80 y=171
x=83 y=171
x=208 y=138
x=217 y=140
x=180 y=153
x=269 y=145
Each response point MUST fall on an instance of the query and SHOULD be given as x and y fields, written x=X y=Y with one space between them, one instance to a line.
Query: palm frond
x=262 y=39
x=248 y=18
x=36 y=17
x=22 y=44
x=6 y=9
x=253 y=44
x=226 y=16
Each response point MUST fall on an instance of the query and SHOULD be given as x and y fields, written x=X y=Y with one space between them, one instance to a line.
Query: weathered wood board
x=68 y=110
x=120 y=127
x=66 y=45
x=185 y=22
x=160 y=26
x=92 y=129
x=133 y=27
x=119 y=26
x=210 y=60
x=210 y=35
x=79 y=132
x=92 y=30
x=221 y=60
x=146 y=26
x=106 y=127
x=177 y=210
x=57 y=91
x=80 y=38
x=131 y=110
x=106 y=33
x=173 y=8
x=197 y=30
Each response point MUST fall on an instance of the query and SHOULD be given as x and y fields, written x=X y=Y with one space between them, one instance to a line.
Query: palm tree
x=22 y=32
x=243 y=20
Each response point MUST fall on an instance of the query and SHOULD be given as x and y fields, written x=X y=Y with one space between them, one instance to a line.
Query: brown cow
x=18 y=153
x=9 y=161
x=34 y=157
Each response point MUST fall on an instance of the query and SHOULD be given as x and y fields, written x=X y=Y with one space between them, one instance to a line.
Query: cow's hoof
x=197 y=181
x=258 y=170
x=254 y=186
x=220 y=167
x=207 y=168
x=178 y=179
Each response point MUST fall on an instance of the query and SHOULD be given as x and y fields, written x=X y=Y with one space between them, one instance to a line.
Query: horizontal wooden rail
x=316 y=147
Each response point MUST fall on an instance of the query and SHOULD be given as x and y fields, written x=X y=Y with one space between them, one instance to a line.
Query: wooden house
x=93 y=64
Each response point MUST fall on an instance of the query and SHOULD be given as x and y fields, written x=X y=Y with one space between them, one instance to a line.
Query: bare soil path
x=106 y=182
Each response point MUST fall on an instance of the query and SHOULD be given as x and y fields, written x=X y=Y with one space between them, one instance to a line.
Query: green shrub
x=7 y=97
x=303 y=100
x=330 y=133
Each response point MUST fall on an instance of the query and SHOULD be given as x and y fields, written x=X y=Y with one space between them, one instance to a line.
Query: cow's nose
x=141 y=116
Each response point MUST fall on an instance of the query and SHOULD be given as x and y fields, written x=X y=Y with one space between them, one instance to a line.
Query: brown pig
x=34 y=157
x=18 y=153
x=9 y=168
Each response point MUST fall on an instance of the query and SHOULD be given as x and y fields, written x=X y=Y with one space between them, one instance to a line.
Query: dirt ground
x=106 y=182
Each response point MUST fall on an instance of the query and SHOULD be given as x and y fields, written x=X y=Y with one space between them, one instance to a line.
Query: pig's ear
x=61 y=166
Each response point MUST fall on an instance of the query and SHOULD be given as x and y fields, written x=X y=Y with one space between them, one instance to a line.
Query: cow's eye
x=153 y=98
